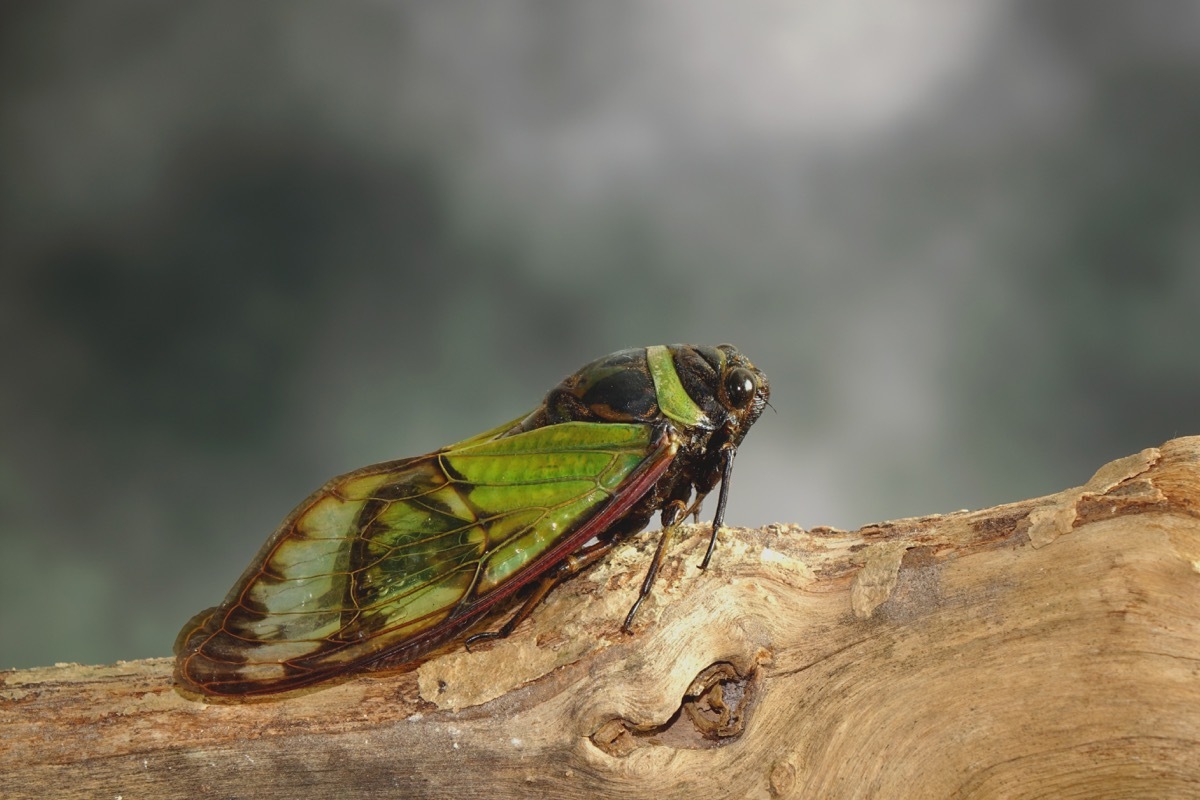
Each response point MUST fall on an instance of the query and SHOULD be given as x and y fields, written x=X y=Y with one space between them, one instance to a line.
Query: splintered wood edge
x=776 y=601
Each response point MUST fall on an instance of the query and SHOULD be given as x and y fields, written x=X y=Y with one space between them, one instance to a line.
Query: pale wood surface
x=1046 y=648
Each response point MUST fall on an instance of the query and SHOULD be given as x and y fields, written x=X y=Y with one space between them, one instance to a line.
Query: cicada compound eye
x=740 y=387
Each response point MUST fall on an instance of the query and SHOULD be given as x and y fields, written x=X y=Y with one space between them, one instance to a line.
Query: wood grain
x=1049 y=647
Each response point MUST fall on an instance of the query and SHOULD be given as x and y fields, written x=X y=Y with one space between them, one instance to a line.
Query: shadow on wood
x=1042 y=648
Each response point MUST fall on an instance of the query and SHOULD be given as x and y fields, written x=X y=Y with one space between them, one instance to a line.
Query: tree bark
x=1049 y=647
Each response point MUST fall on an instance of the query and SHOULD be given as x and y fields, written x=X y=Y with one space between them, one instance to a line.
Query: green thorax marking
x=673 y=399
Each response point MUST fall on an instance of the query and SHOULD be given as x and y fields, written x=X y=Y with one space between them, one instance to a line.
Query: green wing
x=394 y=554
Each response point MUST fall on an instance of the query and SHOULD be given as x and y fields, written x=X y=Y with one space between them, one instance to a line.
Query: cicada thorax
x=651 y=385
x=616 y=388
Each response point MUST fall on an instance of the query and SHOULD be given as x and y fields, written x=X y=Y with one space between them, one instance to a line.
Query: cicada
x=385 y=563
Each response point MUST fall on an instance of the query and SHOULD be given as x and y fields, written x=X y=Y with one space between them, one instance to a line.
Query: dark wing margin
x=389 y=561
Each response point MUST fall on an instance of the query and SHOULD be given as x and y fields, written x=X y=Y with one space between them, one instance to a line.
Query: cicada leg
x=574 y=564
x=674 y=511
x=704 y=484
x=728 y=451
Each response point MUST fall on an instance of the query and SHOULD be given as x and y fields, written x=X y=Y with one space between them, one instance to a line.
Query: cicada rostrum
x=385 y=563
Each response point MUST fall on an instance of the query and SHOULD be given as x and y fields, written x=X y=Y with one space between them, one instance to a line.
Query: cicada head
x=742 y=389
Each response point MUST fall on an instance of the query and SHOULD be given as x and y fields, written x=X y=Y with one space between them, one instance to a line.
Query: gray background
x=247 y=246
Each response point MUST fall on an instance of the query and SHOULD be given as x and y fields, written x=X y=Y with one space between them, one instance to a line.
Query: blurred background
x=249 y=246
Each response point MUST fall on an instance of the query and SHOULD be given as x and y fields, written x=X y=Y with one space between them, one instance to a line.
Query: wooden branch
x=1047 y=647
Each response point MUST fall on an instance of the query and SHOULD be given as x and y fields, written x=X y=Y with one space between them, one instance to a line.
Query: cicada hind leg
x=674 y=511
x=577 y=562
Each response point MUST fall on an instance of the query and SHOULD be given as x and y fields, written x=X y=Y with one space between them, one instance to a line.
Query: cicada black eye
x=740 y=386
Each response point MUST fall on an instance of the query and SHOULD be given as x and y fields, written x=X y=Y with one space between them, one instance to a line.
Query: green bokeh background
x=247 y=246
